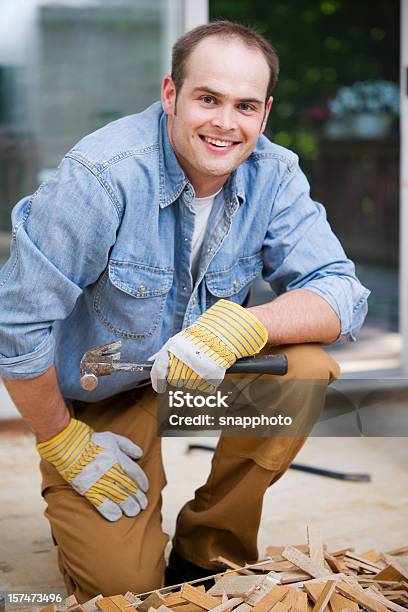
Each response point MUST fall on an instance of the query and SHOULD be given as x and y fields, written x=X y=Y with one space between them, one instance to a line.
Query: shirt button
x=235 y=283
x=193 y=301
x=209 y=250
x=184 y=288
x=141 y=289
x=185 y=239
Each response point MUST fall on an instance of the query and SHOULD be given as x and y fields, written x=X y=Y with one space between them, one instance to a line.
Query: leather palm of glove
x=198 y=356
x=99 y=467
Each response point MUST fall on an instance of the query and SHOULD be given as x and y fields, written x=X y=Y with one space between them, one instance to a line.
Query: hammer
x=103 y=360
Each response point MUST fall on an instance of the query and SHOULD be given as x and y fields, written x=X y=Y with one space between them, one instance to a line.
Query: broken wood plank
x=363 y=561
x=154 y=600
x=277 y=593
x=294 y=576
x=370 y=555
x=301 y=601
x=232 y=565
x=277 y=550
x=362 y=598
x=106 y=605
x=334 y=563
x=243 y=608
x=280 y=607
x=386 y=602
x=304 y=563
x=314 y=590
x=315 y=543
x=235 y=586
x=227 y=605
x=339 y=602
x=324 y=596
x=394 y=570
x=341 y=552
x=258 y=591
x=197 y=597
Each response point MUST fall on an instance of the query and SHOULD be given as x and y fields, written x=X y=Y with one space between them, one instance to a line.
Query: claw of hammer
x=98 y=362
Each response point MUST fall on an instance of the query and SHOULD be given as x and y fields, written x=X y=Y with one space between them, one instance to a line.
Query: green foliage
x=322 y=45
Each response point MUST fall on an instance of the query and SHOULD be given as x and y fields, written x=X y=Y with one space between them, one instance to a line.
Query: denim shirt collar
x=173 y=179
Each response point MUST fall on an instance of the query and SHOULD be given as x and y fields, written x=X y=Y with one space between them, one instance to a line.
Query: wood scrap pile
x=305 y=578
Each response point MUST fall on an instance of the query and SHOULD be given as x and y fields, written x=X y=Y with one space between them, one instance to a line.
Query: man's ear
x=266 y=115
x=168 y=95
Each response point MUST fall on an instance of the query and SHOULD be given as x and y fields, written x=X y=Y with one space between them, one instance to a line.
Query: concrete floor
x=366 y=515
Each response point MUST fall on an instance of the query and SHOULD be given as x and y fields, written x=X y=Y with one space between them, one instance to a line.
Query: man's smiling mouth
x=219 y=142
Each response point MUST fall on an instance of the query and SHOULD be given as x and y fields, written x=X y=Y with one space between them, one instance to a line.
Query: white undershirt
x=202 y=208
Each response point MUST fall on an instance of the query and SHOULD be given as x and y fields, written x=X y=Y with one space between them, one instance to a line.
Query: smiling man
x=152 y=231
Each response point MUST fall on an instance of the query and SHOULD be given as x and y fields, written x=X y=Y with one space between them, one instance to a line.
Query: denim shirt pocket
x=233 y=283
x=130 y=298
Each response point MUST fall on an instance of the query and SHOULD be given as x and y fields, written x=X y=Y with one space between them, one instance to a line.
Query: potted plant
x=365 y=109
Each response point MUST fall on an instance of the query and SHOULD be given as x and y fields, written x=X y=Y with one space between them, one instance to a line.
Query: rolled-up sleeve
x=301 y=251
x=60 y=244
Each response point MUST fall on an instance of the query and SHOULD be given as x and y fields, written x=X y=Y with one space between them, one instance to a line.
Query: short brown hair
x=184 y=46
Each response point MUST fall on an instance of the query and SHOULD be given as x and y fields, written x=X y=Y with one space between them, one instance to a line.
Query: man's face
x=220 y=110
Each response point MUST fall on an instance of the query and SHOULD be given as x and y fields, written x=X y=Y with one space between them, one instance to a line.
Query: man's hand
x=98 y=466
x=198 y=357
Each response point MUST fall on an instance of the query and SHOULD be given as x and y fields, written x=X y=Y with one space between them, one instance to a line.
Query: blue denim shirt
x=102 y=252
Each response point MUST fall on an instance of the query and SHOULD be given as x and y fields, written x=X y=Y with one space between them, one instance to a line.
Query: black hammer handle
x=263 y=364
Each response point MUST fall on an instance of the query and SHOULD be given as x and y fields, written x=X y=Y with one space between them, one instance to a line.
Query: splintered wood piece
x=361 y=597
x=276 y=566
x=334 y=563
x=121 y=602
x=387 y=603
x=154 y=600
x=197 y=597
x=243 y=608
x=162 y=608
x=315 y=543
x=394 y=570
x=370 y=555
x=227 y=563
x=90 y=605
x=403 y=550
x=305 y=563
x=324 y=596
x=314 y=590
x=339 y=602
x=363 y=561
x=290 y=598
x=301 y=601
x=341 y=552
x=132 y=599
x=280 y=607
x=260 y=590
x=277 y=593
x=175 y=599
x=107 y=604
x=277 y=550
x=228 y=605
x=236 y=586
x=294 y=576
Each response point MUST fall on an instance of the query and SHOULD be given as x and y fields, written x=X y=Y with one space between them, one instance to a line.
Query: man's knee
x=96 y=556
x=310 y=361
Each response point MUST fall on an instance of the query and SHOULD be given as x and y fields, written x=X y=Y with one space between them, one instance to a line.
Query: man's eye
x=207 y=99
x=245 y=107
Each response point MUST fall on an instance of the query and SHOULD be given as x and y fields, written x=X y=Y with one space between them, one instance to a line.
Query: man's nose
x=224 y=118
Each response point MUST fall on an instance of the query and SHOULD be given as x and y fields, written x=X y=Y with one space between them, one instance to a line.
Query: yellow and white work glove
x=198 y=356
x=98 y=466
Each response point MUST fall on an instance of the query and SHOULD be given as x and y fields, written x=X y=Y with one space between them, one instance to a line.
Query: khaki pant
x=97 y=556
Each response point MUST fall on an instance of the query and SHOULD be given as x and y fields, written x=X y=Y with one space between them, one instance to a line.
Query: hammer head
x=97 y=362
